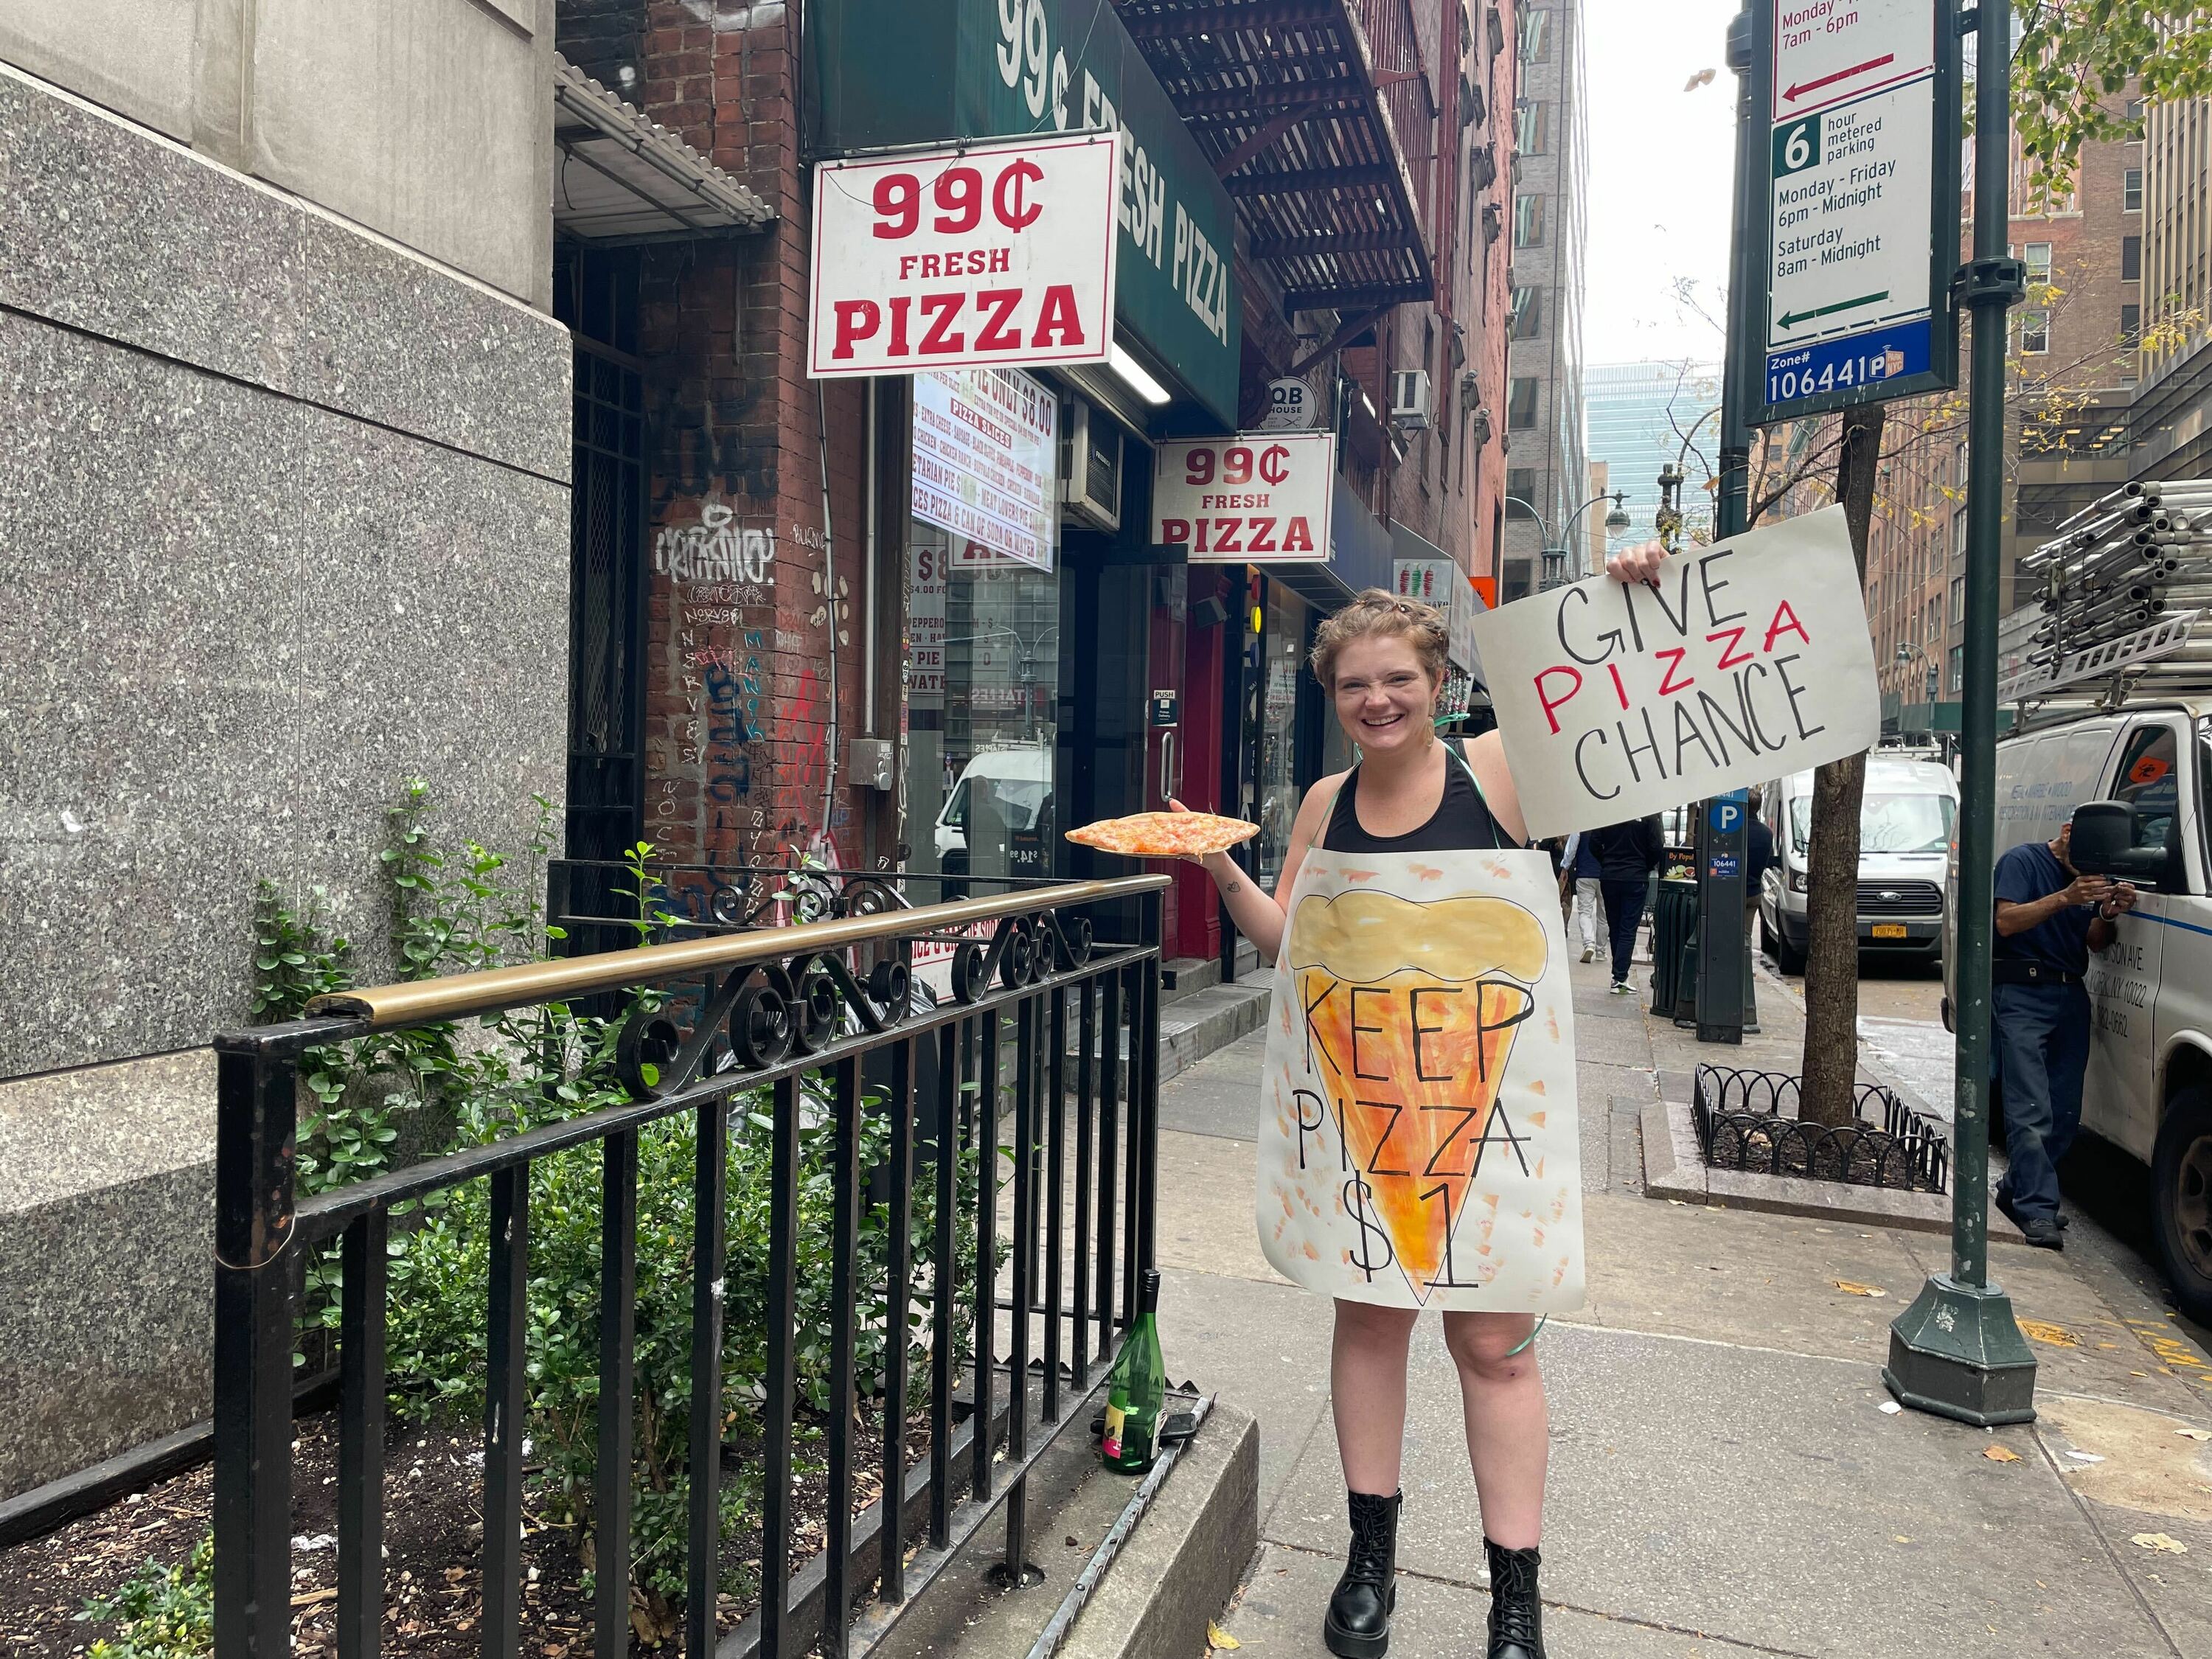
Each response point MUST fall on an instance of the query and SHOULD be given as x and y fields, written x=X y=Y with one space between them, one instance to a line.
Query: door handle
x=1167 y=770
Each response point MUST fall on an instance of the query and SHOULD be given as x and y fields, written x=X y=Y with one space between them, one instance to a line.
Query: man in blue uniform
x=2049 y=916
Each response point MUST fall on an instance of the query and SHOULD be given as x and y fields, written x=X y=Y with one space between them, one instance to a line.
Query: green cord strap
x=1523 y=1343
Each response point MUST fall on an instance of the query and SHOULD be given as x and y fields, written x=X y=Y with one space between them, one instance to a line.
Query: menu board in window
x=987 y=464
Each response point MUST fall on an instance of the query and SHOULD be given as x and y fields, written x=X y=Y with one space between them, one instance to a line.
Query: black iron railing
x=1044 y=1020
x=1747 y=1120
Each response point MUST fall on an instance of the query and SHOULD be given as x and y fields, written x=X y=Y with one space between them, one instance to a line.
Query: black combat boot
x=1359 y=1622
x=1517 y=1616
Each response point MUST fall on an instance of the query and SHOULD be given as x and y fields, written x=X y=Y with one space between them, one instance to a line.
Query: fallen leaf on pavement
x=1900 y=1538
x=1891 y=1407
x=2195 y=1434
x=1850 y=1289
x=1220 y=1639
x=2056 y=1336
x=2161 y=1542
x=2001 y=1454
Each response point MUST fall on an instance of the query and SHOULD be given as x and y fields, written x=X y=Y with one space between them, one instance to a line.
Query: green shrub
x=165 y=1612
x=456 y=913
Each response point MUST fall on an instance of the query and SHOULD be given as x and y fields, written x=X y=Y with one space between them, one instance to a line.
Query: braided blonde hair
x=1376 y=612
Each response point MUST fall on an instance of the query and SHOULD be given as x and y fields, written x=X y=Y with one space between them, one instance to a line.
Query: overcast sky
x=1659 y=174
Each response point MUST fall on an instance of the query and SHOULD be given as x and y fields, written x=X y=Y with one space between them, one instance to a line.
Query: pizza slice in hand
x=1165 y=835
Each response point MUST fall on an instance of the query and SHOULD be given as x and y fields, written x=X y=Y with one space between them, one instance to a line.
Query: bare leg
x=1367 y=1393
x=1508 y=1430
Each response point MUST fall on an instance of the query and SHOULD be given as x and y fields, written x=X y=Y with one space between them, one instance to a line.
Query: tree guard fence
x=1747 y=1121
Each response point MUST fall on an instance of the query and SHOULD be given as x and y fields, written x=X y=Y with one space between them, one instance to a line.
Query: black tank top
x=1461 y=821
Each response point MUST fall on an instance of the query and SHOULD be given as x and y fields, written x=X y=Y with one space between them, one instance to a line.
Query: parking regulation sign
x=1860 y=201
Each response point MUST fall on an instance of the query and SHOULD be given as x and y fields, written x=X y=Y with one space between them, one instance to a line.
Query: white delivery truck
x=2109 y=664
x=1906 y=823
x=2149 y=1084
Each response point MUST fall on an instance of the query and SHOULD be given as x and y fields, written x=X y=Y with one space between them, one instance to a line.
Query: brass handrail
x=459 y=996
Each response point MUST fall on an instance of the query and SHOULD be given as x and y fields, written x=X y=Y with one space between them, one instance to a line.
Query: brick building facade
x=783 y=602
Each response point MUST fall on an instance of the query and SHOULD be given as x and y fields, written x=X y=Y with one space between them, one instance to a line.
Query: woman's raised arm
x=1260 y=915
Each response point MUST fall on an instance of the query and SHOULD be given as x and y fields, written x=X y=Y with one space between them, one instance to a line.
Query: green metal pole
x=1721 y=1004
x=1731 y=511
x=1956 y=1351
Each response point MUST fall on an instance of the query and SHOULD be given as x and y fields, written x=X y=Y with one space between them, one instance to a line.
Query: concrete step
x=1194 y=1026
x=1209 y=1020
x=1176 y=1569
x=1182 y=976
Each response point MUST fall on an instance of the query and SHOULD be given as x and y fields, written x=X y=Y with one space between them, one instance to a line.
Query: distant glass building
x=1639 y=414
x=1547 y=462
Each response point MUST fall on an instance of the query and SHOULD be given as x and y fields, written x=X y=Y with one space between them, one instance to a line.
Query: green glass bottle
x=1137 y=1391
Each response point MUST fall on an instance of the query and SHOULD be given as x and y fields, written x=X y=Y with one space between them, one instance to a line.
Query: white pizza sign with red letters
x=993 y=253
x=1257 y=496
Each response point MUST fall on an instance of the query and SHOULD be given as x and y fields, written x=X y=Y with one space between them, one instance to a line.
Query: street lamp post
x=1554 y=555
x=1671 y=518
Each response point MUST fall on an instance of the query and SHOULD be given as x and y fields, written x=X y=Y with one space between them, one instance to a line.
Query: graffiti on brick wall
x=741 y=758
x=716 y=550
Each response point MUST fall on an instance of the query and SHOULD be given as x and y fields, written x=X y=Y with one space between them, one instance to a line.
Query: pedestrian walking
x=1758 y=854
x=1625 y=856
x=1418 y=817
x=1579 y=877
x=2049 y=917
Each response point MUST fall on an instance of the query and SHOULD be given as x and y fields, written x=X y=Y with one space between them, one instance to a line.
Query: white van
x=2149 y=1084
x=1022 y=782
x=1906 y=820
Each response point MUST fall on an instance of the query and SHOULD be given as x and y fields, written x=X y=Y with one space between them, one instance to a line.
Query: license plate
x=1889 y=930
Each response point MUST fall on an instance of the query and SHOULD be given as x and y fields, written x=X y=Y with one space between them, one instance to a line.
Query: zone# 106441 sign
x=1861 y=214
x=992 y=254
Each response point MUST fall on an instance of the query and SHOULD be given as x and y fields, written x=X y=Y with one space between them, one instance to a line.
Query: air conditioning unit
x=1410 y=399
x=1091 y=468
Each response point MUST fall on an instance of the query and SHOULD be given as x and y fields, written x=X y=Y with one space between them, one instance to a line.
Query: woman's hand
x=1638 y=564
x=1198 y=859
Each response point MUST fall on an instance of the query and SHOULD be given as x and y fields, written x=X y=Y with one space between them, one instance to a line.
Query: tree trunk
x=1831 y=904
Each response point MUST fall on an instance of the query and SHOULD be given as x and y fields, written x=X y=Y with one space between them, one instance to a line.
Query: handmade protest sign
x=1750 y=660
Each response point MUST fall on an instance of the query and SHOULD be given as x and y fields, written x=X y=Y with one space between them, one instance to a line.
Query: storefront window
x=1282 y=661
x=983 y=638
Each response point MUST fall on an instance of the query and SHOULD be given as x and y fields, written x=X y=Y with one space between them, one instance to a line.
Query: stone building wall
x=284 y=520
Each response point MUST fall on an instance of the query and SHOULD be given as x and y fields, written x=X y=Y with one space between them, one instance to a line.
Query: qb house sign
x=886 y=75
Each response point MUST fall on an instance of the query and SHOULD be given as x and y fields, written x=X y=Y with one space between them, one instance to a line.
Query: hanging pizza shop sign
x=1255 y=497
x=967 y=256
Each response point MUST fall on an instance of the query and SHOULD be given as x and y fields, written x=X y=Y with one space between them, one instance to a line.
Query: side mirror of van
x=2106 y=841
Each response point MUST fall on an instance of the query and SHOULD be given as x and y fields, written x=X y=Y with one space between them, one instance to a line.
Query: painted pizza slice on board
x=1410 y=1011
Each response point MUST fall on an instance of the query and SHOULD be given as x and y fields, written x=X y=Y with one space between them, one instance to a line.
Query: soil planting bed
x=434 y=1547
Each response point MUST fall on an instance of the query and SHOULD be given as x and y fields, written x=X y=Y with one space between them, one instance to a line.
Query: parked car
x=2148 y=1089
x=1907 y=818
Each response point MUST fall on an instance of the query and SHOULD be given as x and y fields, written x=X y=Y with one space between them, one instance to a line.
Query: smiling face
x=1385 y=699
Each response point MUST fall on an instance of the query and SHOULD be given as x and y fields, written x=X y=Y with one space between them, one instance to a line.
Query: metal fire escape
x=1320 y=117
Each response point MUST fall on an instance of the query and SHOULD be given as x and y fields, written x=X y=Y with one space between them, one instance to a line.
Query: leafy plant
x=165 y=1612
x=466 y=910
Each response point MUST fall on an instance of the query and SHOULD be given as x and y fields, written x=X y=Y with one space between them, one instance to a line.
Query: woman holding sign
x=1418 y=1145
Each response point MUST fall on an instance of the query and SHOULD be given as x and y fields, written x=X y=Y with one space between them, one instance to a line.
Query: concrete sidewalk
x=1723 y=1480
